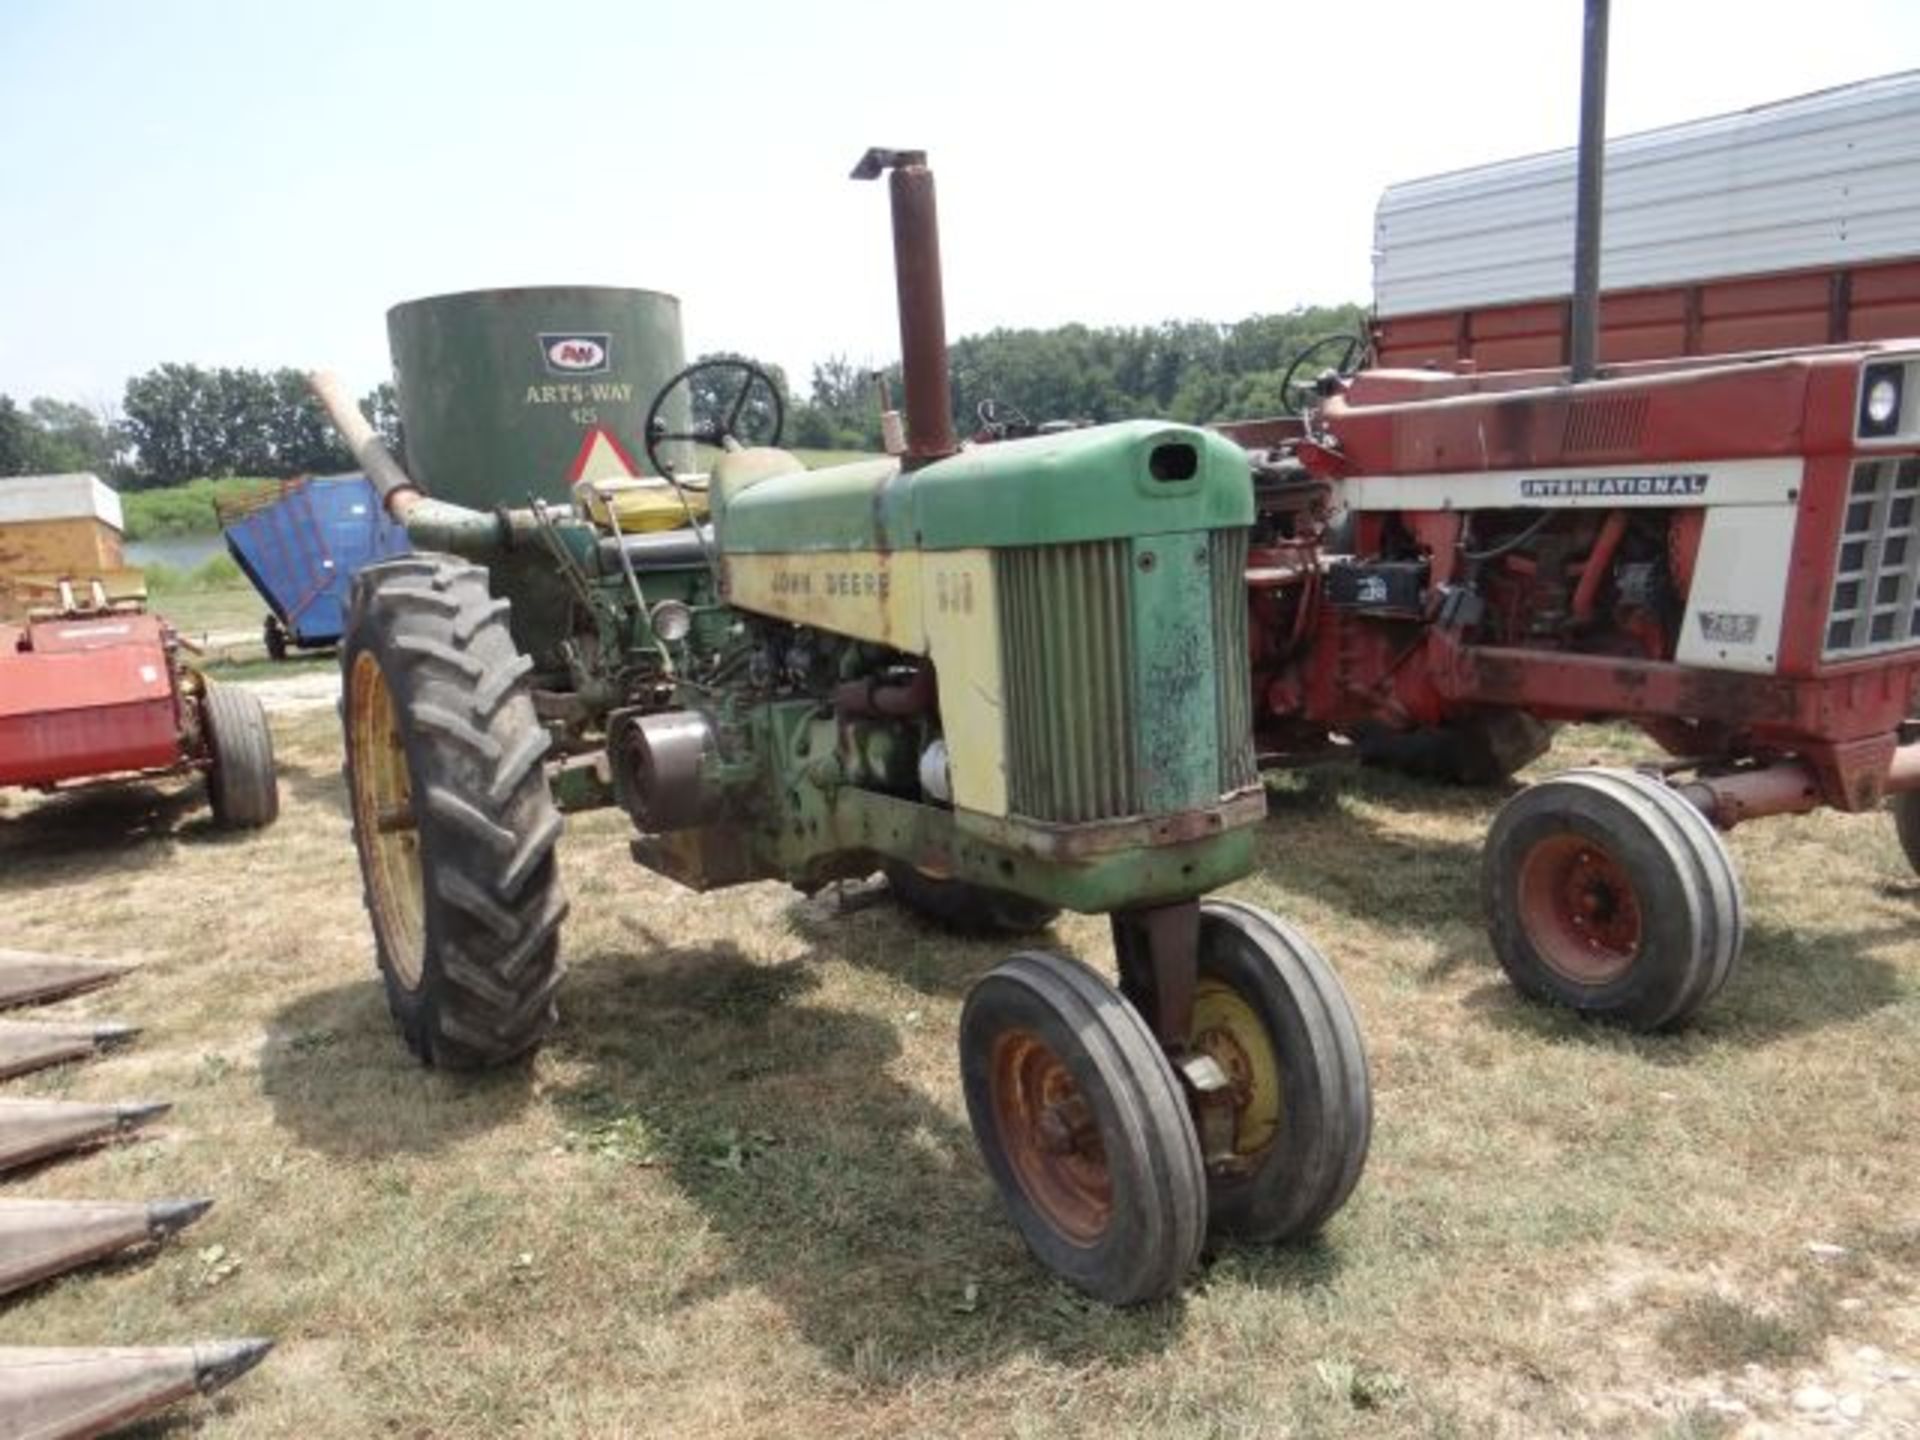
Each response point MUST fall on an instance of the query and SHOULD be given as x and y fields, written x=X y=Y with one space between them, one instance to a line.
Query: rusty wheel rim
x=1047 y=1130
x=1580 y=910
x=383 y=819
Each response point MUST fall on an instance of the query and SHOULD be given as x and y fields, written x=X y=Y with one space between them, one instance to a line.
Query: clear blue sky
x=253 y=184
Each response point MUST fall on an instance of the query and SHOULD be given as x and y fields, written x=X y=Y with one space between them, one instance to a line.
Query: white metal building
x=1831 y=178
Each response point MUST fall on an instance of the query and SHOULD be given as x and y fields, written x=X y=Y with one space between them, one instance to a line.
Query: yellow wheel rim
x=383 y=819
x=1230 y=1030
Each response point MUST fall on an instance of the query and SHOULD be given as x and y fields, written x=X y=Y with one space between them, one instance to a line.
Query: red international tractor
x=1723 y=552
x=1498 y=529
x=94 y=691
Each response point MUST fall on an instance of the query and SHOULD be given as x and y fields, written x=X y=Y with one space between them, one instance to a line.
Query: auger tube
x=397 y=490
x=432 y=524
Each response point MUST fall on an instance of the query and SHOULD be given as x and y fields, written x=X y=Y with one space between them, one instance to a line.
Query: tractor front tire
x=965 y=908
x=1906 y=823
x=452 y=818
x=1608 y=893
x=242 y=783
x=1270 y=1009
x=1084 y=1129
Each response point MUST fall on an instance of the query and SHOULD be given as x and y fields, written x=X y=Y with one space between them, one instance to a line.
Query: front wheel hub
x=1050 y=1136
x=1580 y=909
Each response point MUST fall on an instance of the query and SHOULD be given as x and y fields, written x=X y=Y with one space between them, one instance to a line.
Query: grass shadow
x=119 y=826
x=1786 y=982
x=866 y=927
x=842 y=1191
x=341 y=1082
x=1310 y=1266
x=1314 y=789
x=1354 y=863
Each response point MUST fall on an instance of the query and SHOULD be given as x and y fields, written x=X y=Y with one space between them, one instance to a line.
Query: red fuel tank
x=86 y=696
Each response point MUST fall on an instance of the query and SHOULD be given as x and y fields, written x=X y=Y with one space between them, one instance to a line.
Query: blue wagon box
x=301 y=544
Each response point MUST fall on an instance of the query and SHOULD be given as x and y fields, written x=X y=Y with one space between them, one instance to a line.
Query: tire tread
x=1696 y=857
x=1343 y=1120
x=1148 y=1102
x=489 y=829
x=242 y=780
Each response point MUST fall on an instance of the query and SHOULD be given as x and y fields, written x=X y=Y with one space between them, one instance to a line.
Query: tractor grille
x=1876 y=586
x=1231 y=657
x=1071 y=674
x=1068 y=661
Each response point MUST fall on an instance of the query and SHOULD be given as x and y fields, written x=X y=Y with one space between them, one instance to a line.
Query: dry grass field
x=737 y=1194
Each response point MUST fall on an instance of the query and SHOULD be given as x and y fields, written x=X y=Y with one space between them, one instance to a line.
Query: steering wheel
x=1001 y=420
x=1299 y=387
x=714 y=431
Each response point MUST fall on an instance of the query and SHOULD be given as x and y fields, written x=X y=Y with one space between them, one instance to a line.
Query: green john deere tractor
x=1012 y=677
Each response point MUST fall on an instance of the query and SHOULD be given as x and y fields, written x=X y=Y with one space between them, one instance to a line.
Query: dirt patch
x=309 y=691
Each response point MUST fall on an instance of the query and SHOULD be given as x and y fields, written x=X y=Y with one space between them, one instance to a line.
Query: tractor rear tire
x=1479 y=751
x=1084 y=1128
x=965 y=908
x=1269 y=1008
x=242 y=783
x=1906 y=824
x=454 y=824
x=1608 y=893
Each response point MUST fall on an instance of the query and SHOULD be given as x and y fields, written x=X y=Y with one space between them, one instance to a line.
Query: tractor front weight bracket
x=1158 y=950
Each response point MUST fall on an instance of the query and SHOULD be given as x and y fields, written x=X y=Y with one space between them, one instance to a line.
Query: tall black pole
x=1585 y=339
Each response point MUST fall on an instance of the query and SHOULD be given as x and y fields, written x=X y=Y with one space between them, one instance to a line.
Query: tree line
x=180 y=422
x=1194 y=371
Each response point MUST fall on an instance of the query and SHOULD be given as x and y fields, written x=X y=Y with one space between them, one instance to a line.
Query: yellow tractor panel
x=940 y=604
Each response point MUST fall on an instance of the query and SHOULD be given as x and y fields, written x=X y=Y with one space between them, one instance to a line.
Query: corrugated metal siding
x=1824 y=179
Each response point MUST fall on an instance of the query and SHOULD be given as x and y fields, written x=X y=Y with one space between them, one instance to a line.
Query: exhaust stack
x=1584 y=327
x=923 y=315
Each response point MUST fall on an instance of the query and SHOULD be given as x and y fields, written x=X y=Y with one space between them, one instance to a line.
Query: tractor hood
x=1139 y=477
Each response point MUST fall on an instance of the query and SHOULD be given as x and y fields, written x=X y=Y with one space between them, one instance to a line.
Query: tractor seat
x=640 y=503
x=659 y=550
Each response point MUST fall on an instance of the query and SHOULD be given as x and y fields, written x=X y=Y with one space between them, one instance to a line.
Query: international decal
x=1617 y=487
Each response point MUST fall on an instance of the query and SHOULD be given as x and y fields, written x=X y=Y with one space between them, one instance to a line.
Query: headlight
x=671 y=621
x=1880 y=399
x=1883 y=403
